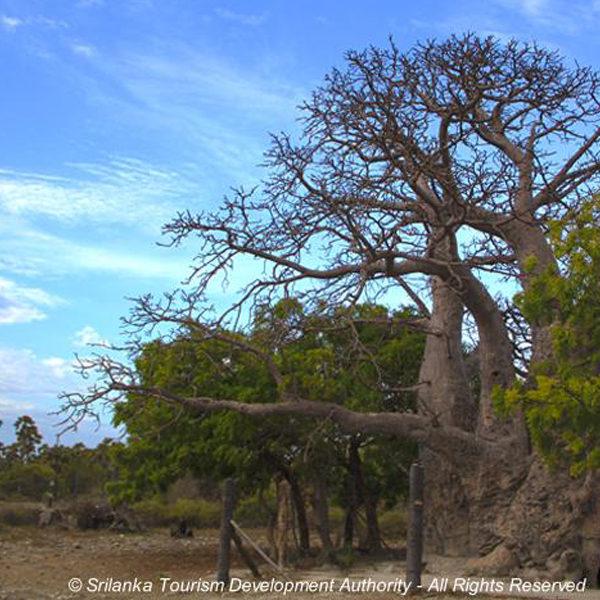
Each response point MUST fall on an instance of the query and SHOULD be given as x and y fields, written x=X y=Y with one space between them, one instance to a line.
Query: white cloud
x=202 y=105
x=10 y=23
x=23 y=375
x=88 y=3
x=242 y=19
x=30 y=384
x=59 y=367
x=27 y=251
x=20 y=304
x=13 y=23
x=86 y=50
x=88 y=335
x=19 y=314
x=533 y=7
x=116 y=192
x=191 y=81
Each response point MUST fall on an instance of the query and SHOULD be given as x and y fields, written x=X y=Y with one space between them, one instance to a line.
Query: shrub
x=336 y=517
x=94 y=515
x=31 y=480
x=394 y=523
x=345 y=558
x=153 y=512
x=156 y=512
x=196 y=511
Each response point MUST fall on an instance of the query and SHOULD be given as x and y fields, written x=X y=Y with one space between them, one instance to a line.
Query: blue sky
x=114 y=114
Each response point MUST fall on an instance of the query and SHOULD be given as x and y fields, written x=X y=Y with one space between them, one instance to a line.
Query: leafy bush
x=26 y=480
x=252 y=512
x=197 y=512
x=155 y=512
x=152 y=511
x=345 y=558
x=394 y=523
x=336 y=517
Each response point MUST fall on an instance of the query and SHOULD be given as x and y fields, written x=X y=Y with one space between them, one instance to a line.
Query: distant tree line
x=33 y=470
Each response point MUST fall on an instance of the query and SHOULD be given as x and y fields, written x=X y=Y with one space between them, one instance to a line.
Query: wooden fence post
x=226 y=530
x=414 y=543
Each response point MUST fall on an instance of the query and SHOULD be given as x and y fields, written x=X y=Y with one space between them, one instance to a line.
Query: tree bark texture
x=229 y=492
x=321 y=505
x=364 y=497
x=283 y=527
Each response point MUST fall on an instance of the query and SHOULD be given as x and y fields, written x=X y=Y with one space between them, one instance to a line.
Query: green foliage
x=562 y=400
x=345 y=558
x=28 y=438
x=26 y=445
x=361 y=357
x=26 y=480
x=394 y=522
x=155 y=511
x=196 y=511
x=256 y=509
x=31 y=469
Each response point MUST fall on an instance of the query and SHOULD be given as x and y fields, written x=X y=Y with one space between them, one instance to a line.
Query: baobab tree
x=434 y=173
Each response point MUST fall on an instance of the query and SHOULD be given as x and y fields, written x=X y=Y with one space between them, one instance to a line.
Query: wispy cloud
x=533 y=7
x=25 y=250
x=114 y=192
x=547 y=16
x=20 y=304
x=88 y=3
x=86 y=50
x=207 y=108
x=10 y=23
x=187 y=78
x=242 y=19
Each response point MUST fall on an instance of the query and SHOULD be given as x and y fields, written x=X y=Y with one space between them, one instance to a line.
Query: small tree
x=320 y=357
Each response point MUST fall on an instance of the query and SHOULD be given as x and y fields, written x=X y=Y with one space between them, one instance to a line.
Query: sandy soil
x=40 y=564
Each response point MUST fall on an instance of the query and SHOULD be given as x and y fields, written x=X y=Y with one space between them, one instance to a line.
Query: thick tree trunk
x=322 y=515
x=300 y=509
x=501 y=503
x=297 y=498
x=284 y=515
x=513 y=516
x=350 y=513
x=547 y=525
x=446 y=395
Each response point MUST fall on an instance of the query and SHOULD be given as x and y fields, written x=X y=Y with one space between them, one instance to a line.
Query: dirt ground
x=50 y=563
